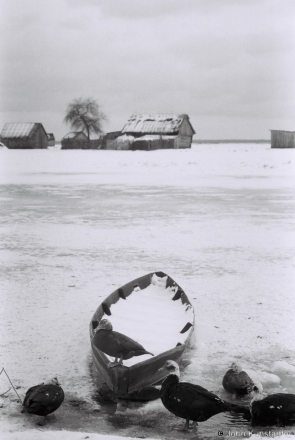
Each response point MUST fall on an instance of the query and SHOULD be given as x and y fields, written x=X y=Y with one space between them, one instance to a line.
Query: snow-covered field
x=75 y=225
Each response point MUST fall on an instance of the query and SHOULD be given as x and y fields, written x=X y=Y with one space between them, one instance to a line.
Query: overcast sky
x=228 y=64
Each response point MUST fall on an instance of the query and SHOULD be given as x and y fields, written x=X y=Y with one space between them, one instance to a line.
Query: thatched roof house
x=24 y=135
x=175 y=130
x=282 y=139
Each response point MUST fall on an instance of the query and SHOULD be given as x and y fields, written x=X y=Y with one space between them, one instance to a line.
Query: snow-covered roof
x=20 y=129
x=155 y=123
x=50 y=136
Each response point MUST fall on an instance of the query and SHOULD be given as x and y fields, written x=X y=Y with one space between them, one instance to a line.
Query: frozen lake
x=75 y=225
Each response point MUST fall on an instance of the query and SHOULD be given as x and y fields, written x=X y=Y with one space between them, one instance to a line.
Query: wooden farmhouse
x=26 y=135
x=282 y=139
x=51 y=139
x=157 y=131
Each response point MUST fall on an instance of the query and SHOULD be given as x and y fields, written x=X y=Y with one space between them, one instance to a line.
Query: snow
x=69 y=435
x=76 y=225
x=125 y=138
x=157 y=123
x=55 y=435
x=283 y=366
x=149 y=137
x=158 y=328
x=265 y=378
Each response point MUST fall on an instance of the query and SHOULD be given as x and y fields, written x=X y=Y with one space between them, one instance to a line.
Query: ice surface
x=75 y=225
x=265 y=378
x=283 y=367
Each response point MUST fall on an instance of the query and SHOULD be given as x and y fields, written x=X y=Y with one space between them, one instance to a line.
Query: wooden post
x=120 y=378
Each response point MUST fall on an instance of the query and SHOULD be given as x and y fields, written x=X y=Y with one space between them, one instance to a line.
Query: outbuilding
x=154 y=142
x=77 y=140
x=125 y=142
x=282 y=139
x=24 y=135
x=108 y=140
x=51 y=139
x=158 y=131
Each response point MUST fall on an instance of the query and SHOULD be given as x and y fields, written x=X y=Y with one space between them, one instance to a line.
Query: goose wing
x=193 y=396
x=29 y=393
x=282 y=402
x=242 y=380
x=45 y=396
x=237 y=382
x=125 y=343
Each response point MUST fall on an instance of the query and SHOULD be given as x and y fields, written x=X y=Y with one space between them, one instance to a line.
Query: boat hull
x=125 y=381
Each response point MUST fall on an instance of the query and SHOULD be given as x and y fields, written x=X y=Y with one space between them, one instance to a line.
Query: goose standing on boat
x=192 y=402
x=44 y=399
x=275 y=409
x=116 y=344
x=237 y=381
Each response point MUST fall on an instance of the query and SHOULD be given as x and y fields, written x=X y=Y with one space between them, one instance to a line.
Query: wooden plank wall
x=282 y=139
x=73 y=144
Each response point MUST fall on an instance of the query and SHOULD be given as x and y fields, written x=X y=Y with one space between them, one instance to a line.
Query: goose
x=43 y=399
x=116 y=344
x=237 y=381
x=275 y=409
x=190 y=401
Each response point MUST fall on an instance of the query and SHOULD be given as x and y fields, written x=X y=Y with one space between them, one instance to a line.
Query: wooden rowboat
x=162 y=295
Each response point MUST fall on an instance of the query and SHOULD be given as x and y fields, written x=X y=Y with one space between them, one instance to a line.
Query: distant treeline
x=232 y=141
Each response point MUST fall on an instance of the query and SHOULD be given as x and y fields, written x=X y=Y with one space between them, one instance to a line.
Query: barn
x=51 y=139
x=282 y=139
x=25 y=135
x=158 y=131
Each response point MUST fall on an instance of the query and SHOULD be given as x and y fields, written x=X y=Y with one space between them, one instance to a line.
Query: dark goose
x=276 y=409
x=192 y=402
x=237 y=381
x=43 y=399
x=116 y=344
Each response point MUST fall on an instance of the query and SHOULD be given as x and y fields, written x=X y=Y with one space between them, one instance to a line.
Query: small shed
x=24 y=135
x=109 y=140
x=282 y=139
x=75 y=140
x=173 y=131
x=51 y=139
x=124 y=142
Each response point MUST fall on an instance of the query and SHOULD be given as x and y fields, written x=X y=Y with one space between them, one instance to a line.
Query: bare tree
x=85 y=115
